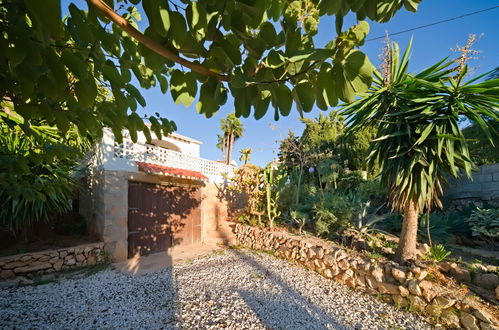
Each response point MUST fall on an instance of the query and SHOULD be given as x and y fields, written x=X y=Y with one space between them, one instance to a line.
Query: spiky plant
x=419 y=142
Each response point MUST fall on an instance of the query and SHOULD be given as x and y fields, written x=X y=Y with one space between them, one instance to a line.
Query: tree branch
x=151 y=44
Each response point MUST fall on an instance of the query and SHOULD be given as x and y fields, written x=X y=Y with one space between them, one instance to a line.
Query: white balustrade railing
x=161 y=156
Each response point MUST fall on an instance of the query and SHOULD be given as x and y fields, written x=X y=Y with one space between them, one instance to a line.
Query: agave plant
x=419 y=142
x=438 y=252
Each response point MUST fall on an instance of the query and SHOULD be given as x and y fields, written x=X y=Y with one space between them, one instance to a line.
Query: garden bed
x=414 y=287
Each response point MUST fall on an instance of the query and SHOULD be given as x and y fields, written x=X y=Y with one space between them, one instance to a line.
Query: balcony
x=137 y=152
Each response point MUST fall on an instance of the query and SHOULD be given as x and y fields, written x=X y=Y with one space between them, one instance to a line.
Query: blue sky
x=430 y=45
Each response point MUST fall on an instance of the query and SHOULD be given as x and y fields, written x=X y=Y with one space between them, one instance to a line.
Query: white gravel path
x=235 y=290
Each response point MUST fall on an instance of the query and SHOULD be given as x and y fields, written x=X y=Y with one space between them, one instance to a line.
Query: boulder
x=403 y=291
x=378 y=274
x=487 y=281
x=14 y=264
x=468 y=321
x=450 y=319
x=414 y=287
x=429 y=290
x=388 y=288
x=7 y=274
x=483 y=316
x=399 y=275
x=460 y=274
x=445 y=302
x=58 y=265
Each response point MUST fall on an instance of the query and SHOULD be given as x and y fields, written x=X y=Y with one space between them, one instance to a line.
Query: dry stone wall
x=49 y=261
x=484 y=185
x=403 y=286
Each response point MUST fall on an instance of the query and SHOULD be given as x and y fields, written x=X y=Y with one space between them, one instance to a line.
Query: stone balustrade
x=161 y=156
x=49 y=261
x=408 y=287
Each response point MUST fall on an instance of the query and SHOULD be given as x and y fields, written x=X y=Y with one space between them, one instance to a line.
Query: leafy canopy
x=260 y=51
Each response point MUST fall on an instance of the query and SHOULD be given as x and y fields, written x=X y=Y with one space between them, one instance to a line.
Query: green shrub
x=484 y=224
x=438 y=252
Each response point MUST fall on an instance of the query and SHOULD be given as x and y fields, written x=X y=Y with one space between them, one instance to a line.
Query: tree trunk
x=407 y=248
x=231 y=144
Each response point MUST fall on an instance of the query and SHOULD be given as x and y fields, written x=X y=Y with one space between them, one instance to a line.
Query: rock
x=53 y=260
x=445 y=302
x=400 y=301
x=319 y=252
x=460 y=274
x=492 y=269
x=63 y=253
x=33 y=267
x=399 y=275
x=424 y=249
x=487 y=281
x=497 y=292
x=311 y=253
x=343 y=264
x=417 y=304
x=444 y=267
x=14 y=264
x=7 y=274
x=483 y=315
x=71 y=261
x=487 y=326
x=450 y=319
x=403 y=291
x=479 y=267
x=44 y=258
x=371 y=282
x=468 y=321
x=58 y=265
x=360 y=281
x=26 y=258
x=378 y=274
x=429 y=290
x=388 y=288
x=328 y=259
x=414 y=287
x=328 y=273
x=422 y=275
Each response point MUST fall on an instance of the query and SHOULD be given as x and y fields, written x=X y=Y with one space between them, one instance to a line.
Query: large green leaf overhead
x=260 y=51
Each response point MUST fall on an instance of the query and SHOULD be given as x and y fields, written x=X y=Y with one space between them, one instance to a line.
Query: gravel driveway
x=236 y=289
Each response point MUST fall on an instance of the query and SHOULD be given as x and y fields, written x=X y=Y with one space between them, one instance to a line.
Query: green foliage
x=52 y=67
x=232 y=129
x=37 y=179
x=438 y=252
x=484 y=224
x=273 y=180
x=419 y=142
x=442 y=225
x=481 y=151
x=332 y=214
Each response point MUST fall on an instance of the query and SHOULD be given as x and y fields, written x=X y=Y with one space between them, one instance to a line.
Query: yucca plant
x=438 y=252
x=419 y=143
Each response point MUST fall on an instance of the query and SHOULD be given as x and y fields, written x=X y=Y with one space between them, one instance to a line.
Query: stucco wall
x=484 y=185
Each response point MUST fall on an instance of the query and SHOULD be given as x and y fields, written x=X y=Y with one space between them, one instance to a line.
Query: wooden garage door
x=161 y=216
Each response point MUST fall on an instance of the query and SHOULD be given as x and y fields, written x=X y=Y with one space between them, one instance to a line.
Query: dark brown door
x=161 y=216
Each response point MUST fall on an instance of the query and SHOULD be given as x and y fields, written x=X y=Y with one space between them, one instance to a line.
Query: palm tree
x=419 y=143
x=245 y=155
x=232 y=129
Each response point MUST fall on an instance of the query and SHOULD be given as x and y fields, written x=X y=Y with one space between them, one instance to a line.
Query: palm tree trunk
x=407 y=248
x=231 y=144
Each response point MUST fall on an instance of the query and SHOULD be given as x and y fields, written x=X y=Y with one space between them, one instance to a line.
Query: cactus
x=272 y=178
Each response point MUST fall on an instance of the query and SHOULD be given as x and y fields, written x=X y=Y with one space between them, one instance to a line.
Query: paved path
x=231 y=289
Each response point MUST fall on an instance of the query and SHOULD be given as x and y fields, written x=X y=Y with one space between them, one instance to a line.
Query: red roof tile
x=171 y=171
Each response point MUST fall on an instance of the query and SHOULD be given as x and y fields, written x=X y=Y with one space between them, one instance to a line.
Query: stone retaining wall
x=49 y=261
x=403 y=286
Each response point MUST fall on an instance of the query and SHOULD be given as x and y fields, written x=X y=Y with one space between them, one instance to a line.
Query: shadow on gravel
x=291 y=311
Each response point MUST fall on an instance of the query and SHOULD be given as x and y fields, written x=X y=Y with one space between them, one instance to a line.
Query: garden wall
x=403 y=286
x=484 y=186
x=50 y=261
